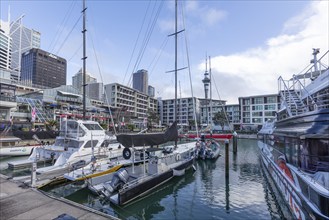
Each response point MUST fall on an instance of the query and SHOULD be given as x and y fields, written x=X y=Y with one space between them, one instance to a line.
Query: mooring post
x=235 y=142
x=227 y=143
x=34 y=174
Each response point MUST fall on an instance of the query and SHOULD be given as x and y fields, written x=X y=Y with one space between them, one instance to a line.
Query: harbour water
x=203 y=194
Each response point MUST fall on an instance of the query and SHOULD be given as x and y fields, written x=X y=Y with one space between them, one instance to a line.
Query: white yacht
x=78 y=142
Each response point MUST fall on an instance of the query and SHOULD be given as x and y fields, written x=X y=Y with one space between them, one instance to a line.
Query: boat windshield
x=71 y=129
x=92 y=127
x=68 y=143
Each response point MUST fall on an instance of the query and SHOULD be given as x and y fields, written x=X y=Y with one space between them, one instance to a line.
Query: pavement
x=19 y=201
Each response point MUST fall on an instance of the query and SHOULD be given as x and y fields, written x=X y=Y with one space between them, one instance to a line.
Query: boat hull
x=17 y=151
x=140 y=190
x=287 y=180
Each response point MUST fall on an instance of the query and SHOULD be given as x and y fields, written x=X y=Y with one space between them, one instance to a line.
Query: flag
x=33 y=114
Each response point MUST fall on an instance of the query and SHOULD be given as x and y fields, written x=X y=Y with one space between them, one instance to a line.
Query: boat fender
x=178 y=157
x=126 y=153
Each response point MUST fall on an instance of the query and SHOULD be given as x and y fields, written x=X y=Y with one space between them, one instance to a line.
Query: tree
x=52 y=124
x=152 y=116
x=220 y=118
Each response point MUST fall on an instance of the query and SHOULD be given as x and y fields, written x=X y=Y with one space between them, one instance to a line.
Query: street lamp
x=206 y=83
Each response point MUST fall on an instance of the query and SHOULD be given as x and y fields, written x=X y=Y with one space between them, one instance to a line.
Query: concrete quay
x=22 y=202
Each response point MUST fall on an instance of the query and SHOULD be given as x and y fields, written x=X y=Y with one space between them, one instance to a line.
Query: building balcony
x=8 y=102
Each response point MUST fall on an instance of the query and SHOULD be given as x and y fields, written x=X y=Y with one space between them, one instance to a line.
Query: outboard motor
x=119 y=179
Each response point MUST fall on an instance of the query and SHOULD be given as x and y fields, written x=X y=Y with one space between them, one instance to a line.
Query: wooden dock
x=18 y=201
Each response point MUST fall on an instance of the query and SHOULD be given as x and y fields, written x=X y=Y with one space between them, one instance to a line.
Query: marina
x=95 y=151
x=203 y=194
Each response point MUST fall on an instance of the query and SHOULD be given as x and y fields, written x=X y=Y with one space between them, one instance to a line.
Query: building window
x=259 y=100
x=271 y=99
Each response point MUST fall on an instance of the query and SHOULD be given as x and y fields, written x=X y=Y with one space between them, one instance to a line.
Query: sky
x=249 y=43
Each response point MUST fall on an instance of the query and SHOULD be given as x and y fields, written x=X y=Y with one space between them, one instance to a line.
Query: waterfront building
x=43 y=69
x=7 y=96
x=151 y=91
x=77 y=80
x=256 y=110
x=185 y=111
x=208 y=109
x=5 y=45
x=132 y=103
x=234 y=115
x=95 y=90
x=140 y=81
x=23 y=39
x=53 y=102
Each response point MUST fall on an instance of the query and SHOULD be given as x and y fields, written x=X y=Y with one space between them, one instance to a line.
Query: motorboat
x=78 y=142
x=15 y=142
x=295 y=146
x=207 y=149
x=13 y=146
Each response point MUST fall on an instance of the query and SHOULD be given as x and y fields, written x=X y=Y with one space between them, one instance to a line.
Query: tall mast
x=84 y=59
x=175 y=60
x=210 y=94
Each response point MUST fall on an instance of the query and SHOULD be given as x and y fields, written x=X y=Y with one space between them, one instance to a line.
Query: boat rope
x=147 y=37
x=67 y=36
x=189 y=72
x=133 y=52
x=101 y=76
x=60 y=30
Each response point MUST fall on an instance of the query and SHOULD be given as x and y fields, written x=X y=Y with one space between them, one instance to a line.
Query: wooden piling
x=235 y=144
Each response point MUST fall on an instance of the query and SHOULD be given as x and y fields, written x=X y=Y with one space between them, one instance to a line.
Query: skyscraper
x=77 y=80
x=151 y=91
x=140 y=81
x=23 y=39
x=95 y=90
x=43 y=69
x=5 y=45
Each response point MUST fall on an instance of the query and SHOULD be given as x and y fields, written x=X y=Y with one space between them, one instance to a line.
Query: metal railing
x=296 y=97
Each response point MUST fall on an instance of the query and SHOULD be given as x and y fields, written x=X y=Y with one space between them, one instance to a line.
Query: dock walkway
x=18 y=202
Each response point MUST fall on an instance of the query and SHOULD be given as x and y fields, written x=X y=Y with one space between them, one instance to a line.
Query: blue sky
x=251 y=43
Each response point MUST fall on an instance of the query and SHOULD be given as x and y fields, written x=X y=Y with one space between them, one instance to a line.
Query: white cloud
x=212 y=16
x=256 y=70
x=200 y=16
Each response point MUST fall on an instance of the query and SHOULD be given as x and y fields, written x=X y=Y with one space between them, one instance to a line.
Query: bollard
x=235 y=142
x=34 y=174
x=226 y=158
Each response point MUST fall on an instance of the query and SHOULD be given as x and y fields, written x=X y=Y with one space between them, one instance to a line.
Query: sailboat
x=164 y=161
x=79 y=141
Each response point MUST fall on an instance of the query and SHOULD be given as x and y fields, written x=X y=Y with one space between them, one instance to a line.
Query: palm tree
x=220 y=118
x=52 y=124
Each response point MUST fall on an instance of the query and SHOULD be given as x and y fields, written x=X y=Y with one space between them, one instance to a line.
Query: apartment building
x=131 y=101
x=255 y=110
x=185 y=110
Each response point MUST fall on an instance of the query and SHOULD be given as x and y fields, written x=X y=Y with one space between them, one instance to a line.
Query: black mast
x=84 y=59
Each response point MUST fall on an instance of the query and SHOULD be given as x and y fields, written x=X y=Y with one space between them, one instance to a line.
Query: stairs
x=42 y=114
x=294 y=103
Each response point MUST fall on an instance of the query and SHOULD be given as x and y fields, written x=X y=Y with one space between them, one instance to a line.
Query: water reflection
x=145 y=208
x=204 y=194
